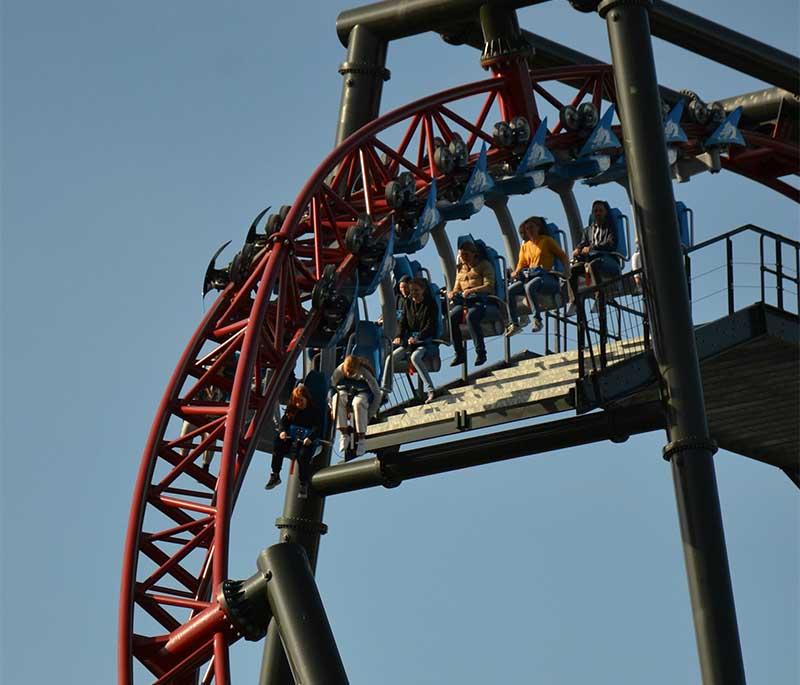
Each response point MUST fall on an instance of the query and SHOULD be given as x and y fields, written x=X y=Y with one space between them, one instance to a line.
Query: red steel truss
x=172 y=629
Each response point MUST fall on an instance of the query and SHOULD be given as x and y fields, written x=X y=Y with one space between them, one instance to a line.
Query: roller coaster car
x=336 y=306
x=374 y=254
x=413 y=227
x=594 y=157
x=496 y=315
x=238 y=268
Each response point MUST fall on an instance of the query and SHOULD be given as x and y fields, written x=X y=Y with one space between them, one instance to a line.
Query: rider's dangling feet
x=458 y=360
x=344 y=438
x=480 y=358
x=360 y=444
x=274 y=481
x=537 y=325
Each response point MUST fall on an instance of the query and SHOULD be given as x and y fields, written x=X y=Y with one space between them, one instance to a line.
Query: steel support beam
x=297 y=607
x=724 y=46
x=456 y=20
x=391 y=469
x=363 y=73
x=393 y=19
x=690 y=449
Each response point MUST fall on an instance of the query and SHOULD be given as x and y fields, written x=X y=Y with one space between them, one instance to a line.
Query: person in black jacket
x=417 y=329
x=595 y=253
x=303 y=420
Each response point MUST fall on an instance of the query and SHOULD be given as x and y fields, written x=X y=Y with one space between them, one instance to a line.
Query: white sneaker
x=344 y=442
x=512 y=329
x=361 y=448
x=537 y=326
x=571 y=310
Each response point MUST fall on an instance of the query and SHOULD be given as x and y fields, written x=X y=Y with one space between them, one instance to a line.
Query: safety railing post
x=729 y=265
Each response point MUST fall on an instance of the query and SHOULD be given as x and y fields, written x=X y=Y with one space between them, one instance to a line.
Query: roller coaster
x=624 y=357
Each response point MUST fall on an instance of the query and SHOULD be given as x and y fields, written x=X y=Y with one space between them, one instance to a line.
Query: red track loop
x=228 y=378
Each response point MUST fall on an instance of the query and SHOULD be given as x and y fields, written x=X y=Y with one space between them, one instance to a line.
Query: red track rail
x=176 y=549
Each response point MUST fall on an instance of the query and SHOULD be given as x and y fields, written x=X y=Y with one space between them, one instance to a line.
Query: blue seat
x=495 y=318
x=368 y=341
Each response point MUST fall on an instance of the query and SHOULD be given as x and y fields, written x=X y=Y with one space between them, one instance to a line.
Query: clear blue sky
x=136 y=137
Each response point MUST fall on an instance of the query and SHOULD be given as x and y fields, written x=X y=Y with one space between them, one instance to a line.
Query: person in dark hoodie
x=595 y=253
x=417 y=330
x=302 y=420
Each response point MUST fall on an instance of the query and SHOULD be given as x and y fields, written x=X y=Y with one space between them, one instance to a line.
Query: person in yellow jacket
x=532 y=275
x=474 y=277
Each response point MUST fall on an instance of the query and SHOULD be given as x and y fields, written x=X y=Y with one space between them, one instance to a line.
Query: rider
x=537 y=254
x=354 y=375
x=474 y=277
x=304 y=414
x=594 y=254
x=417 y=329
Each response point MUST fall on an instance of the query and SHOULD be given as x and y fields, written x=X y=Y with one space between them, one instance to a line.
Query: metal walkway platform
x=750 y=363
x=751 y=372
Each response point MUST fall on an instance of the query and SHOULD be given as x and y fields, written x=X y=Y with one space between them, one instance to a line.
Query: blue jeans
x=475 y=312
x=542 y=283
x=416 y=357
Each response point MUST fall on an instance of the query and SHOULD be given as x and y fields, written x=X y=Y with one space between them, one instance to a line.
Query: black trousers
x=282 y=449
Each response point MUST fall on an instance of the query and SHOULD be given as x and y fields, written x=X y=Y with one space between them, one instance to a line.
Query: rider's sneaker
x=360 y=448
x=431 y=396
x=458 y=360
x=344 y=442
x=571 y=310
x=274 y=481
x=537 y=326
x=480 y=358
x=512 y=329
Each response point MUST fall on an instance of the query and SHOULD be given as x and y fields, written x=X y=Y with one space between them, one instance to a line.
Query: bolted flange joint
x=303 y=524
x=606 y=6
x=245 y=604
x=364 y=68
x=690 y=443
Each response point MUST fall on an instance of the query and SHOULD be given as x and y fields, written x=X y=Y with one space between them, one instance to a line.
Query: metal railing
x=612 y=323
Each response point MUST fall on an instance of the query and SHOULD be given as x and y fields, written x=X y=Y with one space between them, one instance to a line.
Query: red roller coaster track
x=171 y=626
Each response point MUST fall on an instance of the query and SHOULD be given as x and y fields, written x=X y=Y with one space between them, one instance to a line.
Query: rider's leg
x=456 y=312
x=418 y=362
x=360 y=408
x=516 y=289
x=474 y=317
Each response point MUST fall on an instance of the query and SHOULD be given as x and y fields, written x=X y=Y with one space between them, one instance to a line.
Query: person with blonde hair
x=356 y=392
x=301 y=422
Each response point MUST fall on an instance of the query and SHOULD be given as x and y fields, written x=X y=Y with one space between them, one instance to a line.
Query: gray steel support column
x=447 y=257
x=300 y=616
x=363 y=74
x=690 y=448
x=507 y=228
x=571 y=211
